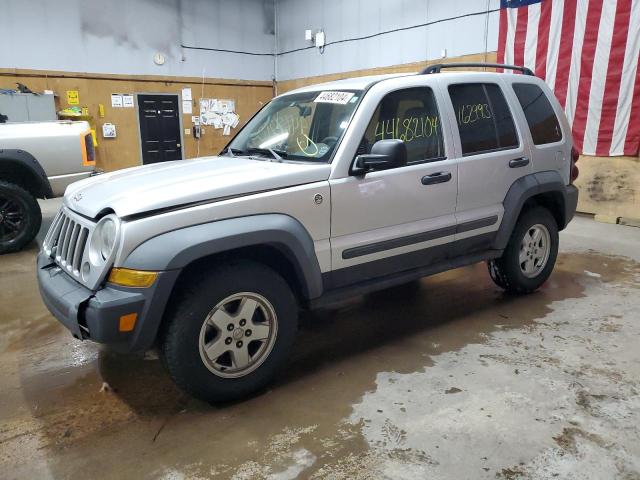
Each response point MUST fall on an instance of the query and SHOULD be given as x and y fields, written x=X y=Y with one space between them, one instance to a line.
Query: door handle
x=438 y=177
x=519 y=162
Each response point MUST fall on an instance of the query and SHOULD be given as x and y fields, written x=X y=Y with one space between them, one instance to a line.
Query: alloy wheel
x=535 y=248
x=238 y=334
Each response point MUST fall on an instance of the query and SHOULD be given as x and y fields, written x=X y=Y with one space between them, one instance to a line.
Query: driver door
x=394 y=220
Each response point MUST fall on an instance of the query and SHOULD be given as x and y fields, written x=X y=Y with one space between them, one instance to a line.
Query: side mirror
x=385 y=154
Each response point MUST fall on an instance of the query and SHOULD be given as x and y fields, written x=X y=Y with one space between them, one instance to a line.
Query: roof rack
x=439 y=66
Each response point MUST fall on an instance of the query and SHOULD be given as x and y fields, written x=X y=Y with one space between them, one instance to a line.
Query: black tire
x=20 y=217
x=180 y=338
x=506 y=271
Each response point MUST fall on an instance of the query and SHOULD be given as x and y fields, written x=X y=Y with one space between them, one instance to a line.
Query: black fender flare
x=178 y=248
x=39 y=184
x=528 y=186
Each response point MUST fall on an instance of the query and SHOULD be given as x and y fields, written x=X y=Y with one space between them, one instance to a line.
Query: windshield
x=303 y=126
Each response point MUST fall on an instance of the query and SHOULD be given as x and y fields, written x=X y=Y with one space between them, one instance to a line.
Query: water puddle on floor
x=399 y=383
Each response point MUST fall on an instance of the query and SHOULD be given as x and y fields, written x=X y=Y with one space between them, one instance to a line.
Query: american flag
x=588 y=52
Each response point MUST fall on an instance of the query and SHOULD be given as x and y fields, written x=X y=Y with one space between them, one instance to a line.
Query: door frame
x=138 y=121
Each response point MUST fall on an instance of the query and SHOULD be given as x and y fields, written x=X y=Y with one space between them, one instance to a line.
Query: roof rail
x=439 y=66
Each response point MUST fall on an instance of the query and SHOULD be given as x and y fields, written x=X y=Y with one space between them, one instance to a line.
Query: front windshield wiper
x=232 y=151
x=277 y=155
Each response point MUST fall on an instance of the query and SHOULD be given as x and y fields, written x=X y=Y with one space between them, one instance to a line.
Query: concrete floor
x=444 y=378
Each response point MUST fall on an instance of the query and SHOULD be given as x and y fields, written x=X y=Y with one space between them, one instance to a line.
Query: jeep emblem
x=318 y=199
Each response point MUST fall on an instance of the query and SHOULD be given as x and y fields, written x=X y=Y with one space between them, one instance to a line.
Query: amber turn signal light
x=132 y=278
x=128 y=322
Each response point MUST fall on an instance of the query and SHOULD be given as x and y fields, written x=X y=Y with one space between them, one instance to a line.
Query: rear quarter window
x=483 y=117
x=541 y=118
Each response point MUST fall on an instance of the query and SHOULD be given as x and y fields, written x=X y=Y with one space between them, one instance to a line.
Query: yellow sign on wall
x=73 y=98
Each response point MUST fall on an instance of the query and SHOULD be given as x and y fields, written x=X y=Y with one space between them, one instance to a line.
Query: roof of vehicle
x=354 y=83
x=361 y=83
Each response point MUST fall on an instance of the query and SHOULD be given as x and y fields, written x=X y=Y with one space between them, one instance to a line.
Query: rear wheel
x=230 y=331
x=20 y=217
x=530 y=255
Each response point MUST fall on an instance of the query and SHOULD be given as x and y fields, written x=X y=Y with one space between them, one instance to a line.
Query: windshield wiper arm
x=231 y=151
x=276 y=154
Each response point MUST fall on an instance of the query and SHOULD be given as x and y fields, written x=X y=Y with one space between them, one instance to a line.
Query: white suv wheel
x=238 y=335
x=534 y=250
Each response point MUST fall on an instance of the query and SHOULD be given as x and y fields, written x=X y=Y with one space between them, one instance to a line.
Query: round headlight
x=107 y=238
x=103 y=240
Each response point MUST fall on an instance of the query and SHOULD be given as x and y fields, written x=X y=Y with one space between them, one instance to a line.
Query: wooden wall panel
x=124 y=151
x=609 y=186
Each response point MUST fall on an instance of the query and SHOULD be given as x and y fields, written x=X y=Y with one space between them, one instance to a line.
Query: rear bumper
x=570 y=203
x=96 y=315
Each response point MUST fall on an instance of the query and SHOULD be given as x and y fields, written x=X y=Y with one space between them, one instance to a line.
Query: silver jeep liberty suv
x=329 y=191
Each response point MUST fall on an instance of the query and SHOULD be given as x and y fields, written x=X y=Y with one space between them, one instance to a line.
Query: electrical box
x=308 y=35
x=320 y=39
x=27 y=107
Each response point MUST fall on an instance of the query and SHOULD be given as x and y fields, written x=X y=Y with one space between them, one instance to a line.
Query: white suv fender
x=179 y=248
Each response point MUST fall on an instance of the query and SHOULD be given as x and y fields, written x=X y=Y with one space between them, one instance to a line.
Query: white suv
x=329 y=191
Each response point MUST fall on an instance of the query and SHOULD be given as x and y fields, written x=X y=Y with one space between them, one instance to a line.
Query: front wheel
x=530 y=255
x=230 y=331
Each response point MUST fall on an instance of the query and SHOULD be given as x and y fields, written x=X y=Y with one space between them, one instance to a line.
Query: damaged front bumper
x=95 y=315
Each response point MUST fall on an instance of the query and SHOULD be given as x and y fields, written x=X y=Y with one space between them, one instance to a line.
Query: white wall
x=121 y=36
x=344 y=19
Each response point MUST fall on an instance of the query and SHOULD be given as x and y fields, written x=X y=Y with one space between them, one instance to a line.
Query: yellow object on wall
x=73 y=97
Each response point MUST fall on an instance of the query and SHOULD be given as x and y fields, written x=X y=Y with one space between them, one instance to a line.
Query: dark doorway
x=159 y=119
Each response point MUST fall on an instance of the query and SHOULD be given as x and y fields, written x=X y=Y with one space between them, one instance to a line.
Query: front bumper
x=95 y=315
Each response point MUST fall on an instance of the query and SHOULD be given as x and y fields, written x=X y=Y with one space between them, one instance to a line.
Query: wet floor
x=443 y=378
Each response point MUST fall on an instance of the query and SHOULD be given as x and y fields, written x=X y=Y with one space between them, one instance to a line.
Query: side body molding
x=17 y=160
x=178 y=248
x=525 y=188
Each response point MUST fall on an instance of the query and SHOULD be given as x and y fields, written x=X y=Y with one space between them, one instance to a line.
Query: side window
x=410 y=115
x=483 y=118
x=541 y=118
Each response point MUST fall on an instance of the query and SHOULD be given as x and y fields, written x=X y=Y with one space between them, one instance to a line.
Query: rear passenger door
x=492 y=155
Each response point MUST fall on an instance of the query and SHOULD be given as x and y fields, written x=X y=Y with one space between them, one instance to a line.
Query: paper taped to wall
x=226 y=106
x=220 y=113
x=116 y=100
x=108 y=130
x=208 y=105
x=231 y=119
x=73 y=97
x=127 y=100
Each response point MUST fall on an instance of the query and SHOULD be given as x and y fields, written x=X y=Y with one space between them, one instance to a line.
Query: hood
x=169 y=184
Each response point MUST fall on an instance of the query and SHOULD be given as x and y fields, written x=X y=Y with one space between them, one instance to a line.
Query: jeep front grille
x=66 y=241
